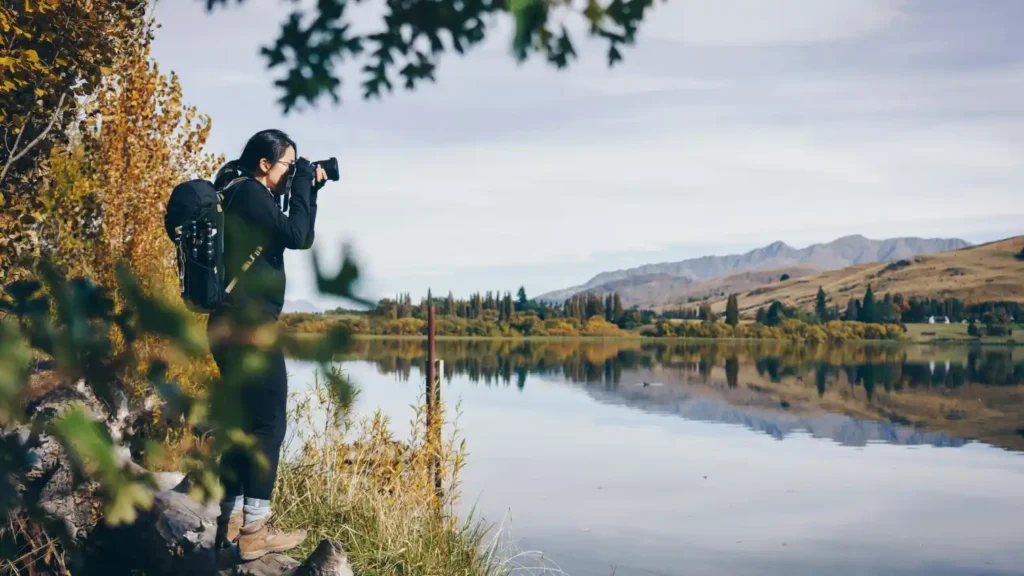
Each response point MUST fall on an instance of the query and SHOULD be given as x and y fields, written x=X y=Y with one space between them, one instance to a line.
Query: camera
x=330 y=166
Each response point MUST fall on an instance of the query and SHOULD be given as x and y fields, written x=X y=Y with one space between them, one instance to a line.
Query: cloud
x=743 y=23
x=729 y=123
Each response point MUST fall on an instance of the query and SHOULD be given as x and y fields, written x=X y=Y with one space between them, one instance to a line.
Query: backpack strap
x=255 y=253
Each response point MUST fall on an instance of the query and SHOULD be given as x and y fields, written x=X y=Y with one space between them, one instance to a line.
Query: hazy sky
x=730 y=125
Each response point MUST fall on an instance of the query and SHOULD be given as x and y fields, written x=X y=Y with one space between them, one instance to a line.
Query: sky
x=730 y=125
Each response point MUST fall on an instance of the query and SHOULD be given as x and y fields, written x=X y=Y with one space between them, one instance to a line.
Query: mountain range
x=300 y=307
x=709 y=276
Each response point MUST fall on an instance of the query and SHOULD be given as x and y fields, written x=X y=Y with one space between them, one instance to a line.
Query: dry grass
x=737 y=283
x=985 y=273
x=954 y=332
x=354 y=482
x=26 y=548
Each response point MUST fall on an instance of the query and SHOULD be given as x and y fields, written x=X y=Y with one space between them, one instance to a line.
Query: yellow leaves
x=31 y=55
x=39 y=92
x=148 y=144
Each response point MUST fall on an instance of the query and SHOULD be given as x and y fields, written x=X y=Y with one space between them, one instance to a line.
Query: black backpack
x=194 y=220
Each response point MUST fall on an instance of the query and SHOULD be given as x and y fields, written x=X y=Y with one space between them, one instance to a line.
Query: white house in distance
x=933 y=319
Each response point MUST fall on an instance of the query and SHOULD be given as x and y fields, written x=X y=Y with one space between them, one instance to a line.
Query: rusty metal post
x=439 y=419
x=433 y=401
x=431 y=364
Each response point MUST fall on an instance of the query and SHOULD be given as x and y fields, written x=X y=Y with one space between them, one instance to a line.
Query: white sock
x=256 y=509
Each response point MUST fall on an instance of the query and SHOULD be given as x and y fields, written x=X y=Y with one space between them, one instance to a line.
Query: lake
x=637 y=458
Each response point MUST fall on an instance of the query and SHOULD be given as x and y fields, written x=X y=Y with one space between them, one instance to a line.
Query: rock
x=49 y=474
x=168 y=481
x=59 y=400
x=269 y=565
x=329 y=559
x=175 y=536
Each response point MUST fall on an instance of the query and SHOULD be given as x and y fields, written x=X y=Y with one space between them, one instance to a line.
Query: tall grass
x=351 y=480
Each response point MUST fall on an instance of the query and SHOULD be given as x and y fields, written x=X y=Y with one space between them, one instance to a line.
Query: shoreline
x=884 y=342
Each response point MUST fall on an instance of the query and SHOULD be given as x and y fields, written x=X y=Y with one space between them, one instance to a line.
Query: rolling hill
x=675 y=282
x=300 y=306
x=657 y=290
x=984 y=273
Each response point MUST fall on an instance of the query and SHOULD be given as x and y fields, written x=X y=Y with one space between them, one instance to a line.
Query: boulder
x=329 y=559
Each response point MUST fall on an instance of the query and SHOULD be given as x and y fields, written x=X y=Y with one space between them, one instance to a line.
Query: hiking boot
x=261 y=538
x=227 y=534
x=235 y=526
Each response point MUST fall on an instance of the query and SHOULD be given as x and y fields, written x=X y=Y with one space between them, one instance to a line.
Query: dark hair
x=269 y=144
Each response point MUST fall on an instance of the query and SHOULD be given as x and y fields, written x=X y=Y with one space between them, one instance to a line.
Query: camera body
x=330 y=166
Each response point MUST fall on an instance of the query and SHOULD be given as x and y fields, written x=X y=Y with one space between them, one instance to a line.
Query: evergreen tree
x=774 y=315
x=449 y=305
x=477 y=308
x=868 y=309
x=616 y=308
x=522 y=302
x=608 y=308
x=706 y=314
x=851 y=310
x=821 y=305
x=732 y=311
x=761 y=316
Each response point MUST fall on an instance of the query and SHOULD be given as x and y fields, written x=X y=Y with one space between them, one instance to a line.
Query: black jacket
x=253 y=218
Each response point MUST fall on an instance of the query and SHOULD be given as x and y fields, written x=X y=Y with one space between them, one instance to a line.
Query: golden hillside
x=984 y=273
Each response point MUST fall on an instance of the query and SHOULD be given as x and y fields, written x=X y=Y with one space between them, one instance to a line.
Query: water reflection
x=852 y=394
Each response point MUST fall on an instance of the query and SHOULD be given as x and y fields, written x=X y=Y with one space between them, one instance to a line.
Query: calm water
x=731 y=459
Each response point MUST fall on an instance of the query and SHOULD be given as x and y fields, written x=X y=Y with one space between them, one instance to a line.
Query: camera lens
x=330 y=166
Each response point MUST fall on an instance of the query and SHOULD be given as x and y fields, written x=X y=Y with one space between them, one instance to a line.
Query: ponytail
x=229 y=172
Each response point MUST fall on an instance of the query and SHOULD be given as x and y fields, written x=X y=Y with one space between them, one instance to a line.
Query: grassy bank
x=353 y=482
x=957 y=334
x=915 y=334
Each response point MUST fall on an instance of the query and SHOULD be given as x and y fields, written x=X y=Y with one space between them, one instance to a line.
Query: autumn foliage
x=54 y=55
x=104 y=199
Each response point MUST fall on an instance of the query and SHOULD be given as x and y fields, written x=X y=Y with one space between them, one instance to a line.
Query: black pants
x=263 y=404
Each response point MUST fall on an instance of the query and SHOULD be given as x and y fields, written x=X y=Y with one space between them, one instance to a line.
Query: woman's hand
x=320 y=178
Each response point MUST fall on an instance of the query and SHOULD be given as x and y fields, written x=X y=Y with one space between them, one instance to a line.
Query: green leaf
x=15 y=357
x=161 y=317
x=344 y=282
x=91 y=450
x=318 y=347
x=341 y=387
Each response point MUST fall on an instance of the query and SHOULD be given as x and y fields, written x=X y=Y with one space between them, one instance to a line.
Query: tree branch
x=7 y=143
x=35 y=141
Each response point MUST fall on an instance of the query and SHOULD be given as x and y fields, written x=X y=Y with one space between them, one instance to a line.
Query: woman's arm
x=312 y=220
x=294 y=230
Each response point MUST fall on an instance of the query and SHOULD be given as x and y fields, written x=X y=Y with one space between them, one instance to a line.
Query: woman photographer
x=254 y=186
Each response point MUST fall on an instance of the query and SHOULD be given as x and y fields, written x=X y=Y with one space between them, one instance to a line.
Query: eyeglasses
x=288 y=164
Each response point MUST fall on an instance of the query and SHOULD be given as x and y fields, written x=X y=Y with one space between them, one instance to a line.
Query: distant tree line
x=581 y=307
x=495 y=313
